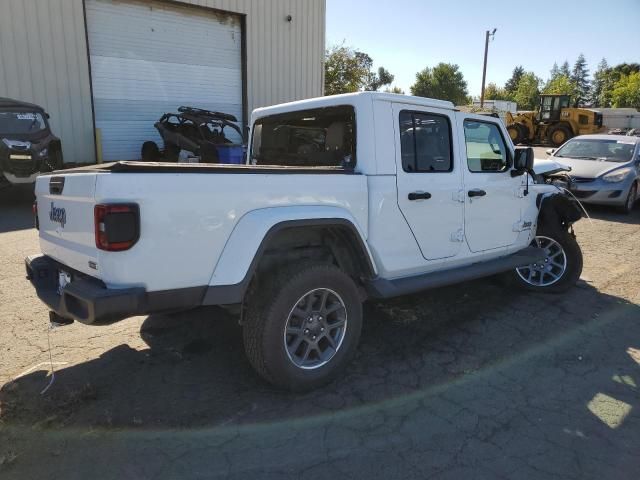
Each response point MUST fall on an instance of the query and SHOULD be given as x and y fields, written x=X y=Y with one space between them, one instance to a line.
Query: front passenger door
x=493 y=197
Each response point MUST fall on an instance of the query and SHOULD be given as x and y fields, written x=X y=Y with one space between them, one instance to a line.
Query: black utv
x=195 y=132
x=27 y=146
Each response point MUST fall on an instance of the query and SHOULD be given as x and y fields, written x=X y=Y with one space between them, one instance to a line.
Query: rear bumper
x=89 y=301
x=85 y=299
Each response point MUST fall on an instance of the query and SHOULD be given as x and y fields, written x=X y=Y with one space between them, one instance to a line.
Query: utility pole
x=484 y=68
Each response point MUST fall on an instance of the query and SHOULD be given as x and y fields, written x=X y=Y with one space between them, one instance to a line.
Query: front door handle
x=419 y=196
x=476 y=193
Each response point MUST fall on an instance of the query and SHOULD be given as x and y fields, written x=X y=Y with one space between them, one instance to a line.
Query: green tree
x=394 y=89
x=348 y=70
x=527 y=94
x=512 y=84
x=379 y=79
x=560 y=85
x=626 y=91
x=493 y=92
x=554 y=72
x=565 y=70
x=580 y=80
x=444 y=81
x=601 y=86
x=623 y=69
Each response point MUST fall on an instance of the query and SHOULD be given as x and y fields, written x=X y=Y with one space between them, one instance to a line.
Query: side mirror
x=550 y=151
x=523 y=161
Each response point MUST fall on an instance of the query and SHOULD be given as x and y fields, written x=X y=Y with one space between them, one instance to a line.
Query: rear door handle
x=419 y=196
x=476 y=193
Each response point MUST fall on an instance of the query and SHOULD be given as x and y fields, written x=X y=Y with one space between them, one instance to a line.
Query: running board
x=383 y=288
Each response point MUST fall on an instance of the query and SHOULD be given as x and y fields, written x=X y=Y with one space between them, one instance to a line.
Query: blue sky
x=407 y=35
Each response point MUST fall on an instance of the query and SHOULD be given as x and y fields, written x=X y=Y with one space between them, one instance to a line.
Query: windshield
x=609 y=150
x=21 y=122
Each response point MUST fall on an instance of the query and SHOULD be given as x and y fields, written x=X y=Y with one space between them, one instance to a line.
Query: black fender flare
x=558 y=210
x=234 y=294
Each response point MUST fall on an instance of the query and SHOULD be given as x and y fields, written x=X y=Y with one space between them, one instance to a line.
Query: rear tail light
x=117 y=226
x=35 y=215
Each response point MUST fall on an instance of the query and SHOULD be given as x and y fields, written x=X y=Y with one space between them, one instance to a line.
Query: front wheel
x=561 y=267
x=150 y=152
x=630 y=201
x=303 y=326
x=516 y=132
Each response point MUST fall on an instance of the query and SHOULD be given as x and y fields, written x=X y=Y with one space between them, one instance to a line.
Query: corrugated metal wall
x=284 y=59
x=43 y=58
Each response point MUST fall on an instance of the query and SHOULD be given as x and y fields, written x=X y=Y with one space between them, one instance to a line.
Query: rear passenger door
x=493 y=196
x=429 y=178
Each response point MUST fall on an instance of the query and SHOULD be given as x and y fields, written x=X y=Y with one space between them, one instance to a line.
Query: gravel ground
x=473 y=381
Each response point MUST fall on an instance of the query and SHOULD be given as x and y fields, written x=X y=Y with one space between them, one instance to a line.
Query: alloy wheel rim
x=315 y=328
x=548 y=271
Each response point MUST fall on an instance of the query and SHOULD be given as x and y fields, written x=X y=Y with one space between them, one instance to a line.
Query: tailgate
x=65 y=215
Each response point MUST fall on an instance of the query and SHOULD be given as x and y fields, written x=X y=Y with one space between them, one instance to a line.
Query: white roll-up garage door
x=148 y=58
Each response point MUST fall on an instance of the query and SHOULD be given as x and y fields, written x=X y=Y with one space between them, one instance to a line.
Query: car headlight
x=44 y=152
x=617 y=176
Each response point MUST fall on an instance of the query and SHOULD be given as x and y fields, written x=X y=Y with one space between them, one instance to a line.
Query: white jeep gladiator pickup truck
x=343 y=199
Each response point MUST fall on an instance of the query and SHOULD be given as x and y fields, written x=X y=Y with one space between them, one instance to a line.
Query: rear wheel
x=171 y=152
x=558 y=135
x=631 y=199
x=303 y=326
x=561 y=267
x=150 y=152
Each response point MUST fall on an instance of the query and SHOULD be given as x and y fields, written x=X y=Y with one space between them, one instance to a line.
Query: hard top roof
x=11 y=103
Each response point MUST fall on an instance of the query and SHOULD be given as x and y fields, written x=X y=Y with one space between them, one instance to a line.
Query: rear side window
x=425 y=142
x=323 y=137
x=486 y=149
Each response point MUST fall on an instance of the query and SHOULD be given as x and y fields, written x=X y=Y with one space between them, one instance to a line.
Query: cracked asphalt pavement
x=470 y=381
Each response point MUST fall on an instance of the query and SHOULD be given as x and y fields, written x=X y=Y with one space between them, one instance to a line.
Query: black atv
x=27 y=146
x=196 y=133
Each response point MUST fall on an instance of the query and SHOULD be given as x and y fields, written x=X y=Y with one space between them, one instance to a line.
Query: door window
x=425 y=142
x=486 y=149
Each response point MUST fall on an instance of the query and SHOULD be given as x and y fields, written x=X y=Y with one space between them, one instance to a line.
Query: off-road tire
x=171 y=152
x=267 y=313
x=556 y=129
x=516 y=132
x=573 y=269
x=150 y=152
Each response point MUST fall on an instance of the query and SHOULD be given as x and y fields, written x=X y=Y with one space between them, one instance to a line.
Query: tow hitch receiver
x=57 y=321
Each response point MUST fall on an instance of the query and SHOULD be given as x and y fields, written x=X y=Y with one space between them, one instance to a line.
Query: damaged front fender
x=558 y=210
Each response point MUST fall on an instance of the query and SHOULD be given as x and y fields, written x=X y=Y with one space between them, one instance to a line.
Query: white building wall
x=44 y=60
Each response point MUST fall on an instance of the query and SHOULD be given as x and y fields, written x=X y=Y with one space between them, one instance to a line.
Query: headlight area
x=617 y=175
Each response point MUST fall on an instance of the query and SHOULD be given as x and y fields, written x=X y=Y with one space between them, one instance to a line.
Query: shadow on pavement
x=195 y=372
x=610 y=214
x=510 y=382
x=16 y=208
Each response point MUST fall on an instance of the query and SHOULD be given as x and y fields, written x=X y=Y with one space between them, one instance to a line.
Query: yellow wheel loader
x=554 y=122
